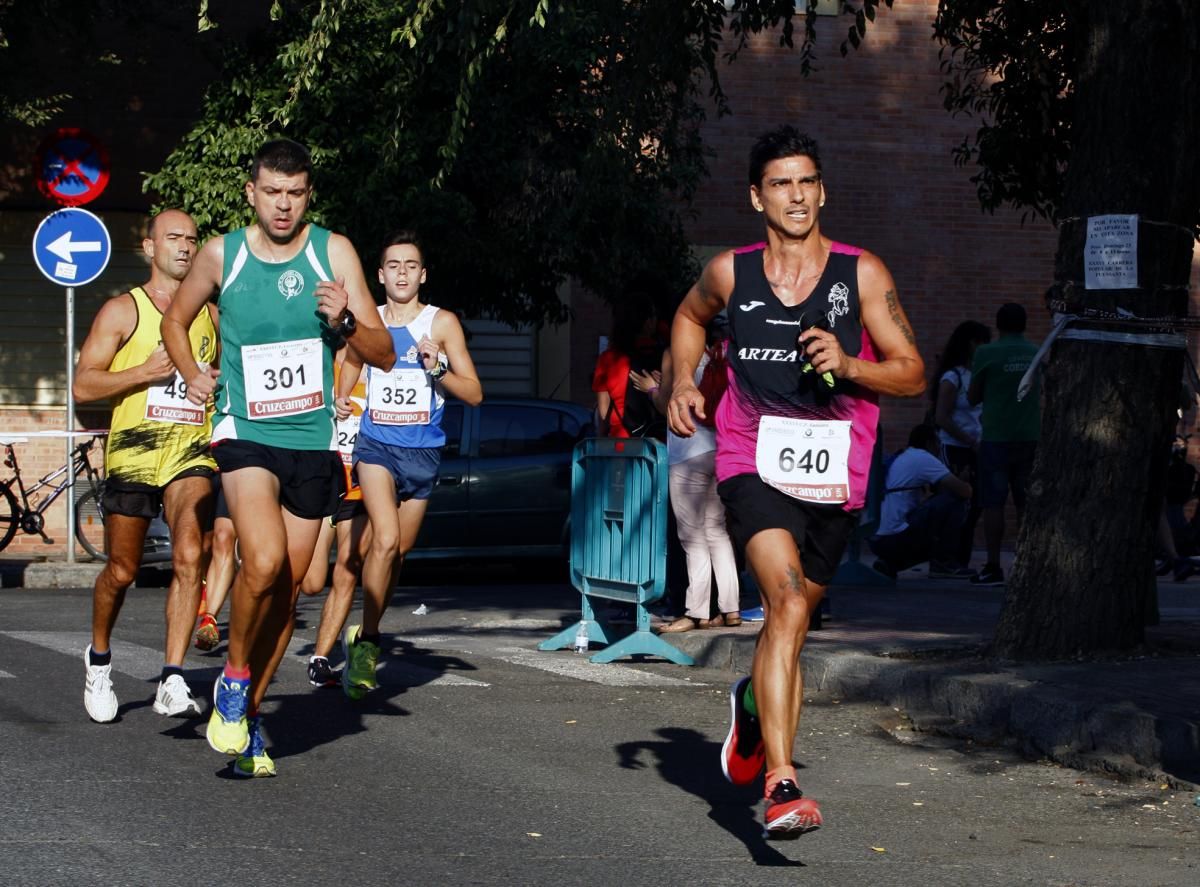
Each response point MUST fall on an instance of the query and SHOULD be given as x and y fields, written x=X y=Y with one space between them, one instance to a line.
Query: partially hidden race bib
x=402 y=397
x=347 y=436
x=806 y=459
x=284 y=378
x=167 y=402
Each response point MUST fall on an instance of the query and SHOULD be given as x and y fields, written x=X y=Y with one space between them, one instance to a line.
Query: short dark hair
x=399 y=238
x=282 y=156
x=784 y=141
x=922 y=436
x=1010 y=318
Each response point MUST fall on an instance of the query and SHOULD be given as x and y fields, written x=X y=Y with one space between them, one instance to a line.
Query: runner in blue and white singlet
x=399 y=443
x=404 y=406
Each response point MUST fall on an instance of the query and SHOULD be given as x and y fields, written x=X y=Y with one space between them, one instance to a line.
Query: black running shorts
x=820 y=531
x=141 y=500
x=310 y=481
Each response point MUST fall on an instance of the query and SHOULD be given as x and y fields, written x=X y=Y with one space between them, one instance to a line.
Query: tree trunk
x=1084 y=567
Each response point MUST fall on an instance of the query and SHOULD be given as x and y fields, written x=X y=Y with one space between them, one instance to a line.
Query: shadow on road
x=686 y=759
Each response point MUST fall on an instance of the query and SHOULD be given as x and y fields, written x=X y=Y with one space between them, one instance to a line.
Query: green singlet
x=276 y=382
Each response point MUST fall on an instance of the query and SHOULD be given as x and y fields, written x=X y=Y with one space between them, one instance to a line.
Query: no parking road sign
x=71 y=247
x=72 y=167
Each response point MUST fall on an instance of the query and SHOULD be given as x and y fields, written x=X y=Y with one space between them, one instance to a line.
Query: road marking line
x=134 y=660
x=4 y=674
x=145 y=663
x=560 y=662
x=569 y=665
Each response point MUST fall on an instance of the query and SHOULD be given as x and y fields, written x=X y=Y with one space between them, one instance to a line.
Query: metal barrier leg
x=599 y=631
x=642 y=642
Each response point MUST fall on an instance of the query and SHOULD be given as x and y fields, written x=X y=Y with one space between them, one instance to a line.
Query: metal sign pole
x=71 y=247
x=70 y=424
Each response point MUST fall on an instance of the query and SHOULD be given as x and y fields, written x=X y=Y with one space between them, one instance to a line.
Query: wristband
x=651 y=389
x=437 y=372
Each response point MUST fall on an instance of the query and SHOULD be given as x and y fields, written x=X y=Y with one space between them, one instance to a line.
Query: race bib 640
x=806 y=459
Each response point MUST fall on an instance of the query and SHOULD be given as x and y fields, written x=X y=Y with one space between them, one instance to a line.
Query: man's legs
x=789 y=600
x=123 y=540
x=217 y=581
x=313 y=581
x=993 y=480
x=124 y=537
x=352 y=536
x=187 y=507
x=252 y=494
x=394 y=529
x=275 y=633
x=393 y=532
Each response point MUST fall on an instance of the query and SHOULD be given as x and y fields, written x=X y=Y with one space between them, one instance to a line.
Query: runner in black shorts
x=290 y=294
x=816 y=334
x=156 y=459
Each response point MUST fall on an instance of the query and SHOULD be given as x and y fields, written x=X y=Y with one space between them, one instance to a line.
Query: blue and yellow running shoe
x=254 y=762
x=227 y=730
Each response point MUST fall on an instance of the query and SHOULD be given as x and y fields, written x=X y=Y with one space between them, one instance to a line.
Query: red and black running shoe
x=790 y=814
x=742 y=755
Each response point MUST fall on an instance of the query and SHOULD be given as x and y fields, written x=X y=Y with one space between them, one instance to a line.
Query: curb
x=61 y=575
x=991 y=703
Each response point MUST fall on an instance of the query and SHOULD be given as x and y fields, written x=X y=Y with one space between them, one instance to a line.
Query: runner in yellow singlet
x=157 y=457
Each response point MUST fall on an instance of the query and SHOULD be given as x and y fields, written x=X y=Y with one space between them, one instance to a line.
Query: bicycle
x=29 y=517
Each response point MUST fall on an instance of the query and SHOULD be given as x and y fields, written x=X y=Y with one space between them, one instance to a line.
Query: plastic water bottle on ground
x=581 y=637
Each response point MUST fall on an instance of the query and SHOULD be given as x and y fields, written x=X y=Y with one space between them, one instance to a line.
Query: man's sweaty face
x=279 y=201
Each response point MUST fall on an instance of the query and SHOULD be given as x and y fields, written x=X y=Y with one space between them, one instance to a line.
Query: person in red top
x=633 y=348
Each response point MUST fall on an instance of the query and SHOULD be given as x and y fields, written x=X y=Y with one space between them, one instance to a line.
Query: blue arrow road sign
x=71 y=247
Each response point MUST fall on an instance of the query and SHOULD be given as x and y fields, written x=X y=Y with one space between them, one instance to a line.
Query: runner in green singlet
x=289 y=294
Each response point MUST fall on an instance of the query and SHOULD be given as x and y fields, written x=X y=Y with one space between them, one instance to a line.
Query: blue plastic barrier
x=619 y=542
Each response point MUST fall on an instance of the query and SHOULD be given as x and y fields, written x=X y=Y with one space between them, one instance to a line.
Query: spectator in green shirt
x=1010 y=429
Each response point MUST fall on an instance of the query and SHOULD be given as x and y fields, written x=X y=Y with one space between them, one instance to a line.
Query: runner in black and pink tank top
x=766 y=368
x=816 y=335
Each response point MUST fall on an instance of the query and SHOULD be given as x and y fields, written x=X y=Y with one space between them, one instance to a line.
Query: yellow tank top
x=157 y=433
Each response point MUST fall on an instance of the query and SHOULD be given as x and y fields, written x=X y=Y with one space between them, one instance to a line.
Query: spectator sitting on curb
x=914 y=527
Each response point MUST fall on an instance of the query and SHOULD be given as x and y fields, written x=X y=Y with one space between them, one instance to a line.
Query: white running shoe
x=98 y=696
x=175 y=699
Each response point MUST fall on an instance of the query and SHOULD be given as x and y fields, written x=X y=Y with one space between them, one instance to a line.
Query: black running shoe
x=320 y=674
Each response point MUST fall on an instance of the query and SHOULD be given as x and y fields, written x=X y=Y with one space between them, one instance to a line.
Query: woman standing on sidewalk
x=958 y=422
x=699 y=514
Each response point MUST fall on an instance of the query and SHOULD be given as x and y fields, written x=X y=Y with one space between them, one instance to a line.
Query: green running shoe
x=358 y=675
x=254 y=762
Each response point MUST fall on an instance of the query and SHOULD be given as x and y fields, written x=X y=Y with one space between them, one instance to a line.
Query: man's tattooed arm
x=898 y=316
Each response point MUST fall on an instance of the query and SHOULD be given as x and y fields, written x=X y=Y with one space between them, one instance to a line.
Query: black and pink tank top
x=765 y=369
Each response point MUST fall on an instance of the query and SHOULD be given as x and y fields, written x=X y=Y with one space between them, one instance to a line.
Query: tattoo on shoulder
x=898 y=316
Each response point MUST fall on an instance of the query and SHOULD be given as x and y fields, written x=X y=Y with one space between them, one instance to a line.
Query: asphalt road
x=483 y=761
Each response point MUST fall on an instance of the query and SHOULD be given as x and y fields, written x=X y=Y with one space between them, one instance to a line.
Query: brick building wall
x=891 y=183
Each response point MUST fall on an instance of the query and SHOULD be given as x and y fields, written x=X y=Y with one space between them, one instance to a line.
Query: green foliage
x=529 y=142
x=1010 y=63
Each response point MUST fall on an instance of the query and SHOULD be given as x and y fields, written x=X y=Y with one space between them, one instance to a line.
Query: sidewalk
x=918 y=646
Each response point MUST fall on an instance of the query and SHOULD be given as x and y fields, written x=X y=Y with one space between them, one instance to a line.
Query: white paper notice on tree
x=1110 y=255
